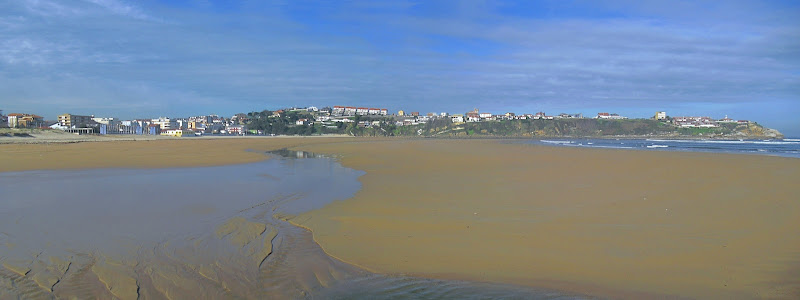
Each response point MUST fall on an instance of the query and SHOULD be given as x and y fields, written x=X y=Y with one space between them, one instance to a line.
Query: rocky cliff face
x=757 y=131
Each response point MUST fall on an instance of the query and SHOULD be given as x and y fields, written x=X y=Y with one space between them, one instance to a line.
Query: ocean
x=787 y=147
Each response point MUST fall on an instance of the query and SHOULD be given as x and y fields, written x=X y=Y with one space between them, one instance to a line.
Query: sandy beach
x=627 y=224
x=609 y=223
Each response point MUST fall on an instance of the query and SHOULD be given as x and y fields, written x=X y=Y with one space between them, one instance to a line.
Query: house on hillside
x=689 y=122
x=610 y=116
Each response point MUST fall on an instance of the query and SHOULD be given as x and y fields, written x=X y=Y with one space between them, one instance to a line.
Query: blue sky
x=148 y=58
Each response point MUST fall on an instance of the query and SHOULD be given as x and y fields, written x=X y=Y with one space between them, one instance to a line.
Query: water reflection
x=286 y=153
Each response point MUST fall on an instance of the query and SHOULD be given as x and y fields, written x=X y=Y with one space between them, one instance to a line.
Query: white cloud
x=82 y=8
x=51 y=8
x=121 y=8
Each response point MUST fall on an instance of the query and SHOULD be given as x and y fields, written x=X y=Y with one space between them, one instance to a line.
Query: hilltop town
x=366 y=121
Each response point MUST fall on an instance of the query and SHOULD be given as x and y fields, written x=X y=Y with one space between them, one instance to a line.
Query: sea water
x=788 y=147
x=162 y=223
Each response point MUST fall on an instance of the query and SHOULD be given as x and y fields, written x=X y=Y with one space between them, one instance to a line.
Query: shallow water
x=777 y=147
x=216 y=232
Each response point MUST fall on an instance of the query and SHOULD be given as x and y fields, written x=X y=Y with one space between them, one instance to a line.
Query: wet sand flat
x=171 y=233
x=602 y=222
x=160 y=153
x=616 y=223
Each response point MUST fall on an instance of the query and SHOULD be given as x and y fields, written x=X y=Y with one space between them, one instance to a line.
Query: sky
x=145 y=58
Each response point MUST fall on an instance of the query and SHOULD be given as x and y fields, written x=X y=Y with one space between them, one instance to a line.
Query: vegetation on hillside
x=284 y=123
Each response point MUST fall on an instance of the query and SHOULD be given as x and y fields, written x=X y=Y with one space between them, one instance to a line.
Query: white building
x=337 y=110
x=661 y=115
x=11 y=120
x=605 y=115
x=107 y=121
x=182 y=123
x=689 y=122
x=236 y=129
x=165 y=123
x=726 y=120
x=343 y=120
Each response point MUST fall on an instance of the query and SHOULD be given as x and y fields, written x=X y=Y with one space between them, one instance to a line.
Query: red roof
x=362 y=108
x=25 y=115
x=336 y=106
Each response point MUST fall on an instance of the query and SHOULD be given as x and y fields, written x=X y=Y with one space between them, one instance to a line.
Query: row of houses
x=477 y=116
x=17 y=120
x=704 y=122
x=197 y=125
x=361 y=111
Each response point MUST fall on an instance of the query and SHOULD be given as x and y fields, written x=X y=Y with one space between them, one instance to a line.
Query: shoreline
x=48 y=136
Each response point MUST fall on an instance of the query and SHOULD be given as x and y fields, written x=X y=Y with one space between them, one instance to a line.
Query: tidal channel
x=193 y=233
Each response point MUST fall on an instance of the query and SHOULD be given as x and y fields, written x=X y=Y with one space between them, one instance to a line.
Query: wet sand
x=175 y=233
x=629 y=224
x=160 y=153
